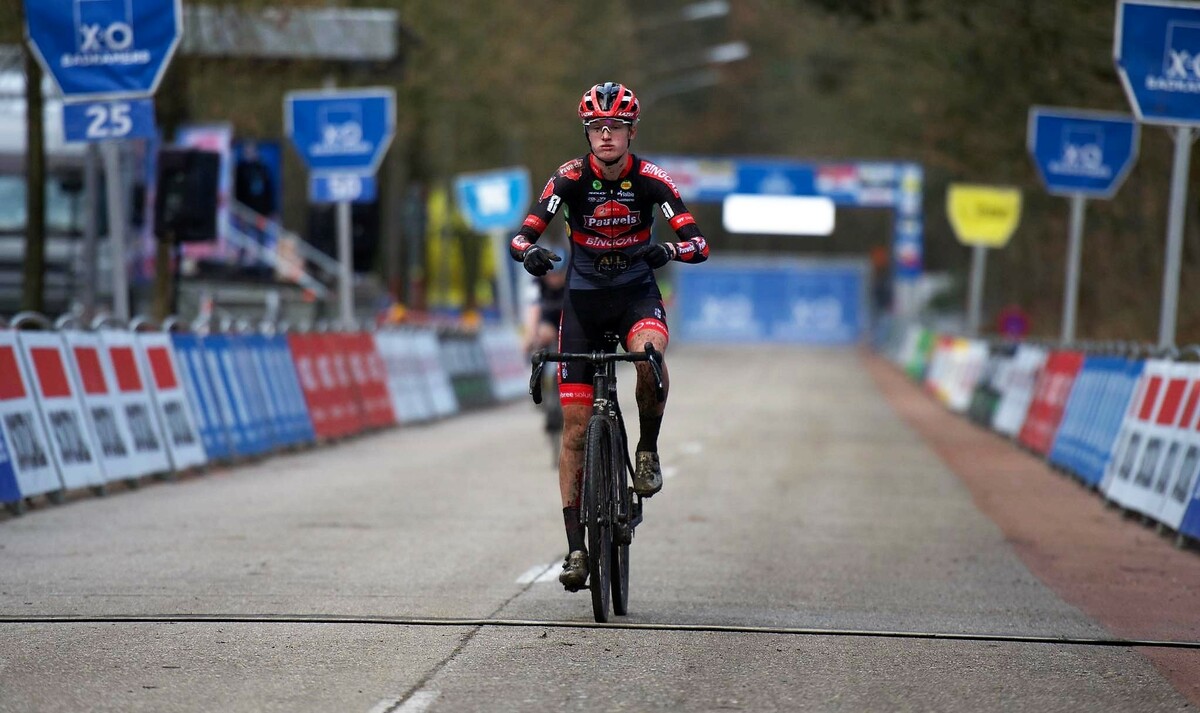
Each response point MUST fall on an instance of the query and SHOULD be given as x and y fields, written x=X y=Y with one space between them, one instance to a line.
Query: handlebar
x=539 y=359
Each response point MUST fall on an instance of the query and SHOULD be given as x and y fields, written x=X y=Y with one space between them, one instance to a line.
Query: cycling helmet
x=609 y=101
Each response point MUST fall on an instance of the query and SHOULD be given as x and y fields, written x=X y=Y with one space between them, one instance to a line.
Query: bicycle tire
x=597 y=490
x=623 y=514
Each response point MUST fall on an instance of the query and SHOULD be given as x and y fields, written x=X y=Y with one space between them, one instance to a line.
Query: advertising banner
x=60 y=408
x=26 y=445
x=782 y=301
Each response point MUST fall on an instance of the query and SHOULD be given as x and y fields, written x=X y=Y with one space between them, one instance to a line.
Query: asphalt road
x=810 y=551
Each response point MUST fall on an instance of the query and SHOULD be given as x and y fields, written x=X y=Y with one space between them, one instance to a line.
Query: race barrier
x=1050 y=400
x=1016 y=386
x=175 y=413
x=123 y=454
x=26 y=466
x=988 y=390
x=1094 y=414
x=80 y=408
x=1124 y=425
x=60 y=409
x=467 y=366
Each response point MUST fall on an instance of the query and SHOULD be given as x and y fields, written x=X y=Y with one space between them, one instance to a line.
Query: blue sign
x=341 y=131
x=493 y=200
x=342 y=187
x=803 y=302
x=108 y=120
x=104 y=48
x=1156 y=46
x=1082 y=152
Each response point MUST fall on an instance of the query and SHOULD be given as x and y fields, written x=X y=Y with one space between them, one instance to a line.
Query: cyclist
x=608 y=196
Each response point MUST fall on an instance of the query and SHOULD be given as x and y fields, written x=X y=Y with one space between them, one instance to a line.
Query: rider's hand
x=539 y=260
x=656 y=255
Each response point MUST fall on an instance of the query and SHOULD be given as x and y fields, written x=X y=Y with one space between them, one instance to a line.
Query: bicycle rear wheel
x=623 y=511
x=598 y=508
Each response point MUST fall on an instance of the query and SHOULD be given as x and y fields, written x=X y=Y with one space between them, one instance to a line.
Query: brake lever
x=655 y=359
x=535 y=379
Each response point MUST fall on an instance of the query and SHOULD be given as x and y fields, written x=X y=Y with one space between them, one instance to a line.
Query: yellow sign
x=983 y=215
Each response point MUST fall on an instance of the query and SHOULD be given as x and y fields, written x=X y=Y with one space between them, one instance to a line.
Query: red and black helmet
x=609 y=101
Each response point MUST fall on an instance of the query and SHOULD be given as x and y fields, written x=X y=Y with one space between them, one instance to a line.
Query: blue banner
x=246 y=437
x=1093 y=415
x=200 y=389
x=104 y=48
x=283 y=369
x=801 y=302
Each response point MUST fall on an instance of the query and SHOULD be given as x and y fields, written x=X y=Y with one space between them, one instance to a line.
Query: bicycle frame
x=610 y=518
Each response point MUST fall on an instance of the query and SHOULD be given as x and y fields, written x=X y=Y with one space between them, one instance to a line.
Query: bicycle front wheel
x=598 y=492
x=623 y=530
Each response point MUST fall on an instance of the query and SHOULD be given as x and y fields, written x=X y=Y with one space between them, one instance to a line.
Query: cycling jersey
x=608 y=220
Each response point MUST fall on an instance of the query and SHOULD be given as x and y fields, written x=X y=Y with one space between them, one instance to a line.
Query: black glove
x=538 y=260
x=656 y=255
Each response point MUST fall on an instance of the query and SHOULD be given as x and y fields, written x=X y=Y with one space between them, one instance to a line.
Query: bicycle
x=611 y=510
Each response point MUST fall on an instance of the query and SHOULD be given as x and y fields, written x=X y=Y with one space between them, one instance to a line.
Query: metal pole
x=1075 y=250
x=111 y=153
x=91 y=229
x=345 y=265
x=505 y=300
x=1179 y=176
x=978 y=265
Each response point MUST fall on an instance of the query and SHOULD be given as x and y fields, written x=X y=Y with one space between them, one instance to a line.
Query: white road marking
x=691 y=448
x=416 y=703
x=670 y=471
x=419 y=701
x=539 y=573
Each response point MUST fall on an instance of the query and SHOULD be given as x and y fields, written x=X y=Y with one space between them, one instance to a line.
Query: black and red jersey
x=608 y=220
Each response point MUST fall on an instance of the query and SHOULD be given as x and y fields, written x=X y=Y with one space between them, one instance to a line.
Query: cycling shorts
x=589 y=314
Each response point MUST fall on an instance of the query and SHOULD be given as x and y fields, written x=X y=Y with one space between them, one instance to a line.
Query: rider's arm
x=692 y=246
x=545 y=209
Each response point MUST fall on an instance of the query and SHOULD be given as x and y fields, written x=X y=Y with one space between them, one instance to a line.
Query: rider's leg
x=570 y=478
x=647 y=478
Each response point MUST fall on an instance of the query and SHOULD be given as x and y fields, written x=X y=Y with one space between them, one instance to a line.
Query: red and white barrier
x=1153 y=438
x=96 y=383
x=406 y=383
x=175 y=412
x=132 y=396
x=20 y=425
x=1050 y=400
x=59 y=407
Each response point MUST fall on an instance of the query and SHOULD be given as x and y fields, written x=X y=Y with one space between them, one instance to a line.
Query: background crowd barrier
x=82 y=408
x=1124 y=425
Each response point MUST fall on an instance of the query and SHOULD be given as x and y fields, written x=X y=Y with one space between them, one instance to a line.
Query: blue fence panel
x=1093 y=415
x=284 y=367
x=209 y=416
x=793 y=301
x=246 y=437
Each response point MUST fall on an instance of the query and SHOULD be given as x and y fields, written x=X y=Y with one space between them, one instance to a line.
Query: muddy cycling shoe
x=647 y=477
x=575 y=571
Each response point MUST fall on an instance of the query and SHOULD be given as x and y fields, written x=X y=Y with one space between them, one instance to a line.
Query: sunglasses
x=597 y=126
